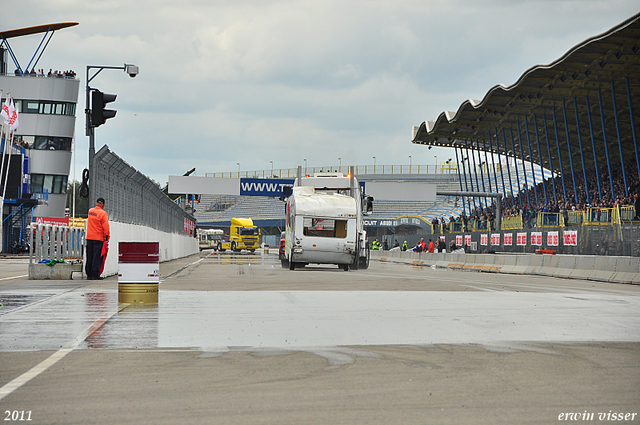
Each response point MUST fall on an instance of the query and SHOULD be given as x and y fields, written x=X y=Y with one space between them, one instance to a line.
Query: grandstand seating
x=215 y=209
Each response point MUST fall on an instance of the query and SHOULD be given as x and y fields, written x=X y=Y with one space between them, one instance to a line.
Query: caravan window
x=325 y=227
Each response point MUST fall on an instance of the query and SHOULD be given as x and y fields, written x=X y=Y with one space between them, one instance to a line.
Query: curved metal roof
x=592 y=70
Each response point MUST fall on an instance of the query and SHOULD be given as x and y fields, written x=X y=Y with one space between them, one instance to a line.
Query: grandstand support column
x=493 y=165
x=504 y=187
x=486 y=161
x=475 y=172
x=593 y=147
x=633 y=129
x=606 y=148
x=486 y=201
x=615 y=115
x=544 y=185
x=515 y=161
x=553 y=177
x=506 y=157
x=555 y=128
x=566 y=133
x=470 y=177
x=584 y=170
x=459 y=177
x=533 y=175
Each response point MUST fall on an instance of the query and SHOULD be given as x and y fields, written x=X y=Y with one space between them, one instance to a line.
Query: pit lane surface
x=238 y=339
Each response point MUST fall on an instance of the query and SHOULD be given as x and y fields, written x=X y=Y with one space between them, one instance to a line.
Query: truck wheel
x=292 y=265
x=345 y=267
x=233 y=247
x=284 y=262
x=219 y=247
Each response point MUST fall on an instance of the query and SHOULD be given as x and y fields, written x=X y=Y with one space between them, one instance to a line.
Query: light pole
x=436 y=157
x=238 y=169
x=132 y=70
x=305 y=166
x=340 y=161
x=409 y=164
x=271 y=168
x=374 y=165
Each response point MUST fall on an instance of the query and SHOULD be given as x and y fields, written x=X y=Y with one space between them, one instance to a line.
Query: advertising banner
x=570 y=238
x=508 y=239
x=264 y=187
x=536 y=238
x=483 y=239
x=495 y=239
x=552 y=238
x=521 y=239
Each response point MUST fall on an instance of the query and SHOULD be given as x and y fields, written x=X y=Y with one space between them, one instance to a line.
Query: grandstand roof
x=591 y=70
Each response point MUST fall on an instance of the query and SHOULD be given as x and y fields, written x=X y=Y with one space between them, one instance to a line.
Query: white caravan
x=324 y=222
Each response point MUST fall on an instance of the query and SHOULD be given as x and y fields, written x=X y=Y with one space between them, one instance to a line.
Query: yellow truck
x=242 y=235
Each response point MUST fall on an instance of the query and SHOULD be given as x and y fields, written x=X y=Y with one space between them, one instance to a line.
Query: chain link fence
x=133 y=198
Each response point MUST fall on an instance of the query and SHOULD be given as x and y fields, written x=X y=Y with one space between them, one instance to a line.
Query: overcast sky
x=253 y=81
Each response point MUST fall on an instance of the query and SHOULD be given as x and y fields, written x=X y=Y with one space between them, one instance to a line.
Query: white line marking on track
x=55 y=357
x=14 y=277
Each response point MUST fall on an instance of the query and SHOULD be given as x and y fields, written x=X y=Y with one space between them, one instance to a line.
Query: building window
x=49 y=183
x=43 y=142
x=45 y=107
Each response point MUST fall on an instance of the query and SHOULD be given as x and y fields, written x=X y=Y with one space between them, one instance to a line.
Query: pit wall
x=588 y=267
x=172 y=245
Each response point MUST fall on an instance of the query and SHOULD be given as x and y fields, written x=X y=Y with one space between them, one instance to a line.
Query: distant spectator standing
x=97 y=234
x=431 y=246
x=636 y=205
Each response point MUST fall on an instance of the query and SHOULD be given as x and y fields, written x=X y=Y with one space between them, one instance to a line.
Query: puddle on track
x=299 y=320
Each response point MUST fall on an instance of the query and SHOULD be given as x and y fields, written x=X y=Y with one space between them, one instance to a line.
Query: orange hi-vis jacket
x=98 y=224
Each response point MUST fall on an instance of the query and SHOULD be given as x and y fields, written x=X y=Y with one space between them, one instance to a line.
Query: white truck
x=324 y=222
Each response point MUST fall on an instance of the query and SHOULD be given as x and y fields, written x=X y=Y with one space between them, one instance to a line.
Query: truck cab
x=242 y=235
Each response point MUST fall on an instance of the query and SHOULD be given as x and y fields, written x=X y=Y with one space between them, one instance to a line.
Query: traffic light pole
x=132 y=70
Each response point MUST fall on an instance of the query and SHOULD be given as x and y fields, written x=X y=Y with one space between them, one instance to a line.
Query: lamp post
x=238 y=169
x=374 y=165
x=132 y=70
x=340 y=161
x=305 y=166
x=409 y=164
x=436 y=157
x=271 y=168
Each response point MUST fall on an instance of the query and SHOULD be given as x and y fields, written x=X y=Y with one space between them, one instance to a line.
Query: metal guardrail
x=432 y=169
x=54 y=242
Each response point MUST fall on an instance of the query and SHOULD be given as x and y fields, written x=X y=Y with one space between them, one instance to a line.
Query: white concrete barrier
x=599 y=268
x=172 y=245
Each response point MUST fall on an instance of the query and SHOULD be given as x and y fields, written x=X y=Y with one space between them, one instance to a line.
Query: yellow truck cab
x=242 y=235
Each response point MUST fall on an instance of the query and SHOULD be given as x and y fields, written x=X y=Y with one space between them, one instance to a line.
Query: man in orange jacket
x=97 y=234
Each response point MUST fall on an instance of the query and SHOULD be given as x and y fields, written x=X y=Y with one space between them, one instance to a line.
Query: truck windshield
x=249 y=231
x=325 y=227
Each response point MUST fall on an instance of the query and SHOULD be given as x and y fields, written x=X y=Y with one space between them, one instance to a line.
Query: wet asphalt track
x=238 y=339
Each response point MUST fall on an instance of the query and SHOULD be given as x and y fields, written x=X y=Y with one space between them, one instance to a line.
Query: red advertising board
x=52 y=220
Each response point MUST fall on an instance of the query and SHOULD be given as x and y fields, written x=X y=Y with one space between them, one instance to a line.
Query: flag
x=5 y=111
x=13 y=116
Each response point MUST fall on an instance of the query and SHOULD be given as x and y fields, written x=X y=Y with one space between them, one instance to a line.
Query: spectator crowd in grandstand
x=550 y=199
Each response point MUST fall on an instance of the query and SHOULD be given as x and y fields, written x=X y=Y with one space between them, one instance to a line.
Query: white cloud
x=257 y=81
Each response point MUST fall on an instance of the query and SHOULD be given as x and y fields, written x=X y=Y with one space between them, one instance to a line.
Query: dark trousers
x=94 y=259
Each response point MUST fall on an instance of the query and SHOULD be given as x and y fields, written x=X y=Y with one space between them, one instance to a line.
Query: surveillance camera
x=132 y=70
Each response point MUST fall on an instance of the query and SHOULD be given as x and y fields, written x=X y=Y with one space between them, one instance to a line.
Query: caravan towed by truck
x=324 y=222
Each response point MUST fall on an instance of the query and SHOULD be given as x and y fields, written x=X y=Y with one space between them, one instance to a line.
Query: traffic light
x=99 y=100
